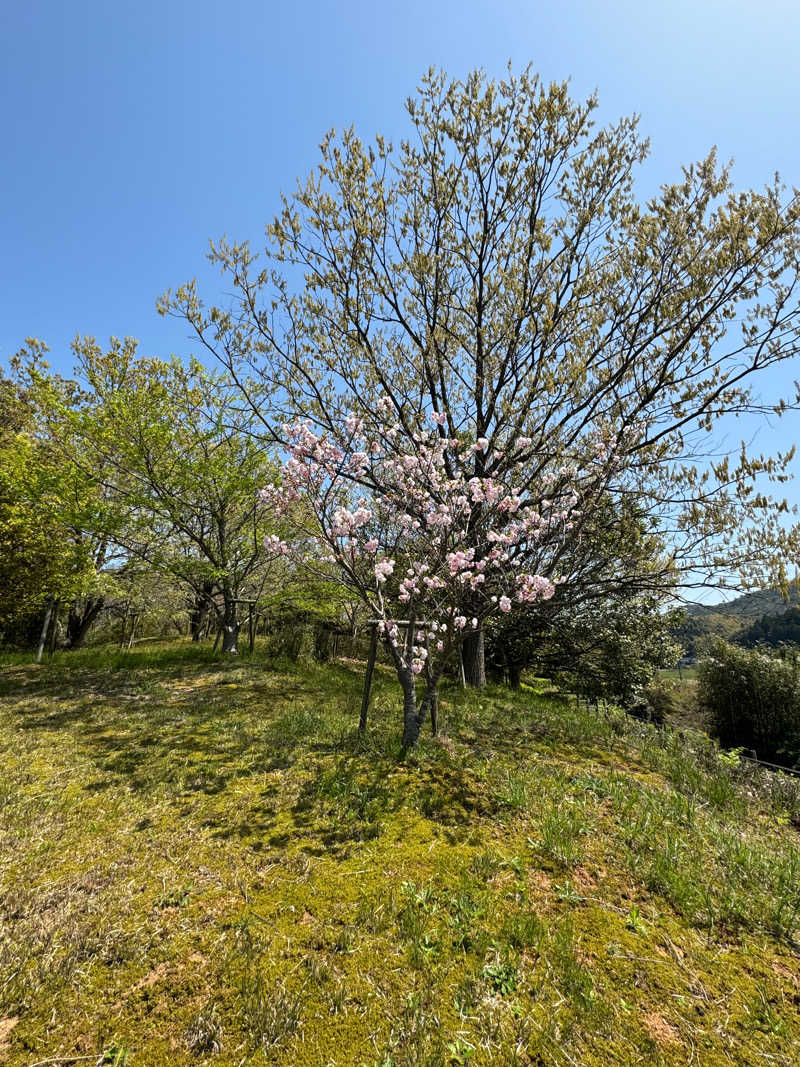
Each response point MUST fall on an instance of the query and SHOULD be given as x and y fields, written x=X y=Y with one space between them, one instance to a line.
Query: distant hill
x=774 y=630
x=737 y=617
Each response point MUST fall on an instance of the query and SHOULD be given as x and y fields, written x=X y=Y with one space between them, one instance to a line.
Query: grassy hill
x=203 y=863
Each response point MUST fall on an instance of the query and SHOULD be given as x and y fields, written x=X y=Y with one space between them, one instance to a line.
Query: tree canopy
x=498 y=268
x=497 y=273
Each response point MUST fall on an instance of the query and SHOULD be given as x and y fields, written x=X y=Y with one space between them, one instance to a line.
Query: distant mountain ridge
x=733 y=619
x=750 y=606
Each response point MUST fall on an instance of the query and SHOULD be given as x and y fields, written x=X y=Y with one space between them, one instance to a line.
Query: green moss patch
x=202 y=861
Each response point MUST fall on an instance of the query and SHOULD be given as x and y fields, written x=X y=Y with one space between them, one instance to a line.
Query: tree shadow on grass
x=192 y=733
x=346 y=803
x=73 y=675
x=196 y=732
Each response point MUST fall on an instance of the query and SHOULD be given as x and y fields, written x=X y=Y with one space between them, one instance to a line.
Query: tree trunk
x=200 y=610
x=514 y=673
x=411 y=721
x=322 y=642
x=53 y=629
x=230 y=626
x=80 y=618
x=473 y=658
x=134 y=620
x=430 y=706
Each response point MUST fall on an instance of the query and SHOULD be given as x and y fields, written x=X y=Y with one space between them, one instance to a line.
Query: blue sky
x=134 y=131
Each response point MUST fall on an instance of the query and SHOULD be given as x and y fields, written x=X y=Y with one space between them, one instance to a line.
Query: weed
x=568 y=893
x=113 y=1056
x=568 y=972
x=513 y=792
x=762 y=1015
x=271 y=1016
x=560 y=832
x=486 y=865
x=523 y=931
x=177 y=897
x=459 y=1053
x=501 y=976
x=203 y=1036
x=633 y=921
x=467 y=994
x=345 y=939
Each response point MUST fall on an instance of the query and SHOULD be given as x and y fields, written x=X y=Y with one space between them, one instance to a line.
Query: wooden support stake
x=45 y=629
x=373 y=651
x=461 y=665
x=251 y=630
x=435 y=700
x=124 y=627
x=53 y=629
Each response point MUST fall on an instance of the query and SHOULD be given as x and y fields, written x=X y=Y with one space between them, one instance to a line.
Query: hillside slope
x=729 y=619
x=202 y=862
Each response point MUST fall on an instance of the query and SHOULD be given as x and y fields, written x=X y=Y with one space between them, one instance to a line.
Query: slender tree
x=49 y=513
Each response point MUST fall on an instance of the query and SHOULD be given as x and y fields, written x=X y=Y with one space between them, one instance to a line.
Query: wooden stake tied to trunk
x=373 y=651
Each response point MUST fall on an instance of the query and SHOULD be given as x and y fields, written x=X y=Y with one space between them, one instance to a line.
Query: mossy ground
x=201 y=860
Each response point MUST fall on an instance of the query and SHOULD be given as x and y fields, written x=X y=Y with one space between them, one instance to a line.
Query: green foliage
x=655 y=702
x=173 y=455
x=501 y=976
x=48 y=510
x=772 y=630
x=753 y=699
x=603 y=649
x=746 y=619
x=495 y=265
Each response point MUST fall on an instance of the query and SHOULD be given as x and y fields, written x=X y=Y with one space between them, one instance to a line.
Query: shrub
x=654 y=703
x=753 y=699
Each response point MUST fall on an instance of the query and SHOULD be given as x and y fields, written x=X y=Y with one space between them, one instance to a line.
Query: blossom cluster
x=433 y=525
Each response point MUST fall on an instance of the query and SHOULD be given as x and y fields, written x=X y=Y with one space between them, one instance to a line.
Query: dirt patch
x=785 y=972
x=662 y=1032
x=540 y=880
x=584 y=881
x=6 y=1026
x=152 y=978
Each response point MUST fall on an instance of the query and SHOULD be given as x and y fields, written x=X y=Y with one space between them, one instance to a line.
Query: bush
x=753 y=700
x=291 y=637
x=654 y=703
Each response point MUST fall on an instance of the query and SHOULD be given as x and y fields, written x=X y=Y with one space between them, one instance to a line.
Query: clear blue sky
x=134 y=131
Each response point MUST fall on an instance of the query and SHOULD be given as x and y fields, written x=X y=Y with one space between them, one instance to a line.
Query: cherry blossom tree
x=430 y=547
x=498 y=270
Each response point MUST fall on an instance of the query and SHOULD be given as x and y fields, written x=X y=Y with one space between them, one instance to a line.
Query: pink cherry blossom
x=383 y=570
